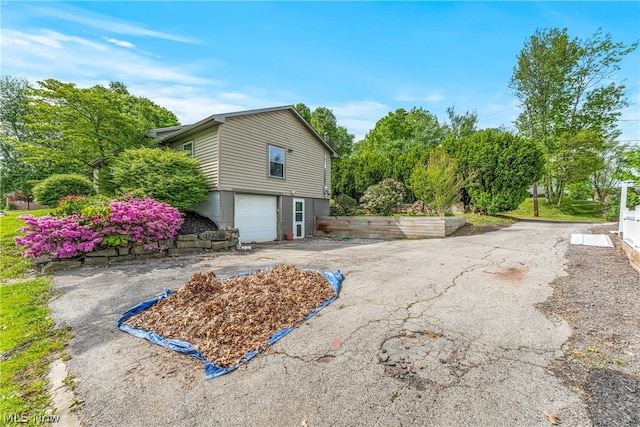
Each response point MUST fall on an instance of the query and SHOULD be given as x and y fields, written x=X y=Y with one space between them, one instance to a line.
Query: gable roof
x=164 y=132
x=176 y=132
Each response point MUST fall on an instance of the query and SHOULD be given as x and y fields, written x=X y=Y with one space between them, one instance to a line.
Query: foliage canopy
x=570 y=102
x=164 y=175
x=501 y=166
x=58 y=125
x=50 y=191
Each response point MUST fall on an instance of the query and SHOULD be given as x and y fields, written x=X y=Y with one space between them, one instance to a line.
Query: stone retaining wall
x=180 y=245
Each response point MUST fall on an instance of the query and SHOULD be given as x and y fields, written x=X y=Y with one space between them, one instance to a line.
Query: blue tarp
x=335 y=278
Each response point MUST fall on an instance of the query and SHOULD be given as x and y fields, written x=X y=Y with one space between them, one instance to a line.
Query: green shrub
x=384 y=197
x=611 y=209
x=344 y=205
x=87 y=206
x=500 y=165
x=437 y=183
x=51 y=190
x=164 y=175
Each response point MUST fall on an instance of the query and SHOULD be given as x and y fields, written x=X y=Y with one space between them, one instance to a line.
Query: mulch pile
x=194 y=223
x=227 y=318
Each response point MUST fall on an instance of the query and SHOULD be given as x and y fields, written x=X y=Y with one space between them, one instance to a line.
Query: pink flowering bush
x=61 y=237
x=142 y=221
x=130 y=220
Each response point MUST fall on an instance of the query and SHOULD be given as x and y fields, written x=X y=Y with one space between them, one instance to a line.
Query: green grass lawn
x=574 y=210
x=29 y=337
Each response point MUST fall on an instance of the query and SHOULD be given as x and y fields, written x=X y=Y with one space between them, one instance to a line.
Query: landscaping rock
x=102 y=253
x=204 y=244
x=223 y=245
x=60 y=265
x=96 y=260
x=141 y=250
x=187 y=237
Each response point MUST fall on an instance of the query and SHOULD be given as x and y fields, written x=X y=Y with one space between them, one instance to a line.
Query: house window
x=188 y=147
x=276 y=162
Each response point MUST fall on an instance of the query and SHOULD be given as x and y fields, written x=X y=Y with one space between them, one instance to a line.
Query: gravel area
x=599 y=300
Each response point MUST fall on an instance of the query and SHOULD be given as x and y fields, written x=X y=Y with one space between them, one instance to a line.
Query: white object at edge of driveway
x=591 y=240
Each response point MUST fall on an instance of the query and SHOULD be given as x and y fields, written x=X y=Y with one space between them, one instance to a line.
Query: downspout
x=325 y=190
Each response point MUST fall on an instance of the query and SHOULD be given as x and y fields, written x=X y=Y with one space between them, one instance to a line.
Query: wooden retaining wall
x=388 y=227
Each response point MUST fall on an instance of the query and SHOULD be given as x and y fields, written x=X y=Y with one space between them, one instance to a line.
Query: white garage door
x=256 y=217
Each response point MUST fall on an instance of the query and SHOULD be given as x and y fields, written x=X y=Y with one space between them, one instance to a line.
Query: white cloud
x=234 y=96
x=194 y=103
x=107 y=23
x=121 y=43
x=48 y=38
x=359 y=117
x=362 y=108
x=416 y=96
x=50 y=54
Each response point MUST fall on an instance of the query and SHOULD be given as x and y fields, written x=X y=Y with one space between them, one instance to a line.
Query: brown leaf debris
x=226 y=318
x=553 y=417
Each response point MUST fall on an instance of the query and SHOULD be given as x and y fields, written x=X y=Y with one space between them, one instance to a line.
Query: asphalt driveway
x=425 y=332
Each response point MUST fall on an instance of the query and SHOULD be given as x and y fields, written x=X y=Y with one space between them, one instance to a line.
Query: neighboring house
x=269 y=172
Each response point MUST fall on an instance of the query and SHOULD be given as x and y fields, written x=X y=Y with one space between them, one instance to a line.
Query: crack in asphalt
x=457 y=365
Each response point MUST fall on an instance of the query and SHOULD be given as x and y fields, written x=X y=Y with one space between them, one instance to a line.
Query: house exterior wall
x=234 y=156
x=311 y=209
x=219 y=206
x=244 y=156
x=321 y=208
x=205 y=149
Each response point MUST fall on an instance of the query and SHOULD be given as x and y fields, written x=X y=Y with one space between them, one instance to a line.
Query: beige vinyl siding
x=206 y=151
x=244 y=155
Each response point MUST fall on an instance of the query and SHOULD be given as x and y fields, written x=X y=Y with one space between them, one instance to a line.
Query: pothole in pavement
x=422 y=359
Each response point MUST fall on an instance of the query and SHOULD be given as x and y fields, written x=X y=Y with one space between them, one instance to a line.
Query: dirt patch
x=512 y=274
x=227 y=318
x=599 y=300
x=471 y=230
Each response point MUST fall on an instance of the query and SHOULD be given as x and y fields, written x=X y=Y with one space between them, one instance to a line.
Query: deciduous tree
x=75 y=127
x=15 y=173
x=569 y=96
x=401 y=131
x=325 y=123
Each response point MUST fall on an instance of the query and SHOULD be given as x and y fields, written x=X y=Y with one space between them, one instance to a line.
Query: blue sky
x=360 y=59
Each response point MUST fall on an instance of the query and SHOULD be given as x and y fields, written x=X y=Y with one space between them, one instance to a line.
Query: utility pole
x=535 y=184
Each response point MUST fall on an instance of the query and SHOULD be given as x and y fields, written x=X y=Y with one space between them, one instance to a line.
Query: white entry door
x=298 y=218
x=256 y=217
